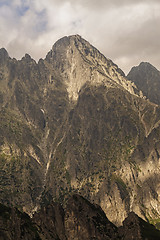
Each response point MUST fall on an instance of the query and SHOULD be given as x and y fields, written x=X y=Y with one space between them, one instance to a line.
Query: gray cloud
x=125 y=31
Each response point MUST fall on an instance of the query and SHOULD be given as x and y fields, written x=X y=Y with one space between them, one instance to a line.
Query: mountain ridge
x=74 y=123
x=88 y=54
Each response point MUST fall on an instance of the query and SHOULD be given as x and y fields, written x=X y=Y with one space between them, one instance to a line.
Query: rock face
x=74 y=123
x=84 y=220
x=31 y=112
x=147 y=79
x=50 y=222
x=79 y=220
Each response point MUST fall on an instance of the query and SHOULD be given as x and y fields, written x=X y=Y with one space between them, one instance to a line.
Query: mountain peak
x=69 y=40
x=145 y=64
x=147 y=79
x=144 y=67
x=78 y=63
x=27 y=58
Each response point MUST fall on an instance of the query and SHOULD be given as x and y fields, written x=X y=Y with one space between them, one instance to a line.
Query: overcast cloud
x=125 y=31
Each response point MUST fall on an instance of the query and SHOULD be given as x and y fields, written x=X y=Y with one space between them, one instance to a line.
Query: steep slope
x=147 y=78
x=31 y=111
x=74 y=123
x=97 y=155
x=20 y=155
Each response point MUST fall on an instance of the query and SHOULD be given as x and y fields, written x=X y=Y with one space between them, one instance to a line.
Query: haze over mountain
x=74 y=123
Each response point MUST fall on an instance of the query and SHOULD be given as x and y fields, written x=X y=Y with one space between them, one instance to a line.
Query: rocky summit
x=74 y=123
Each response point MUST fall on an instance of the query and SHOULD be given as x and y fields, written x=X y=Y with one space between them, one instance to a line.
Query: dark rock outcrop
x=15 y=225
x=50 y=222
x=78 y=221
x=136 y=228
x=84 y=220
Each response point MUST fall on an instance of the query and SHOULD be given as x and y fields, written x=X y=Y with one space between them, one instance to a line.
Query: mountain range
x=74 y=123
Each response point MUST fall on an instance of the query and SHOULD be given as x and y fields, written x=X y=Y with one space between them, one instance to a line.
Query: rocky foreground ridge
x=79 y=220
x=73 y=122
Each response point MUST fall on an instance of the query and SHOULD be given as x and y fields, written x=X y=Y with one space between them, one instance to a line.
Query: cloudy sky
x=126 y=31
